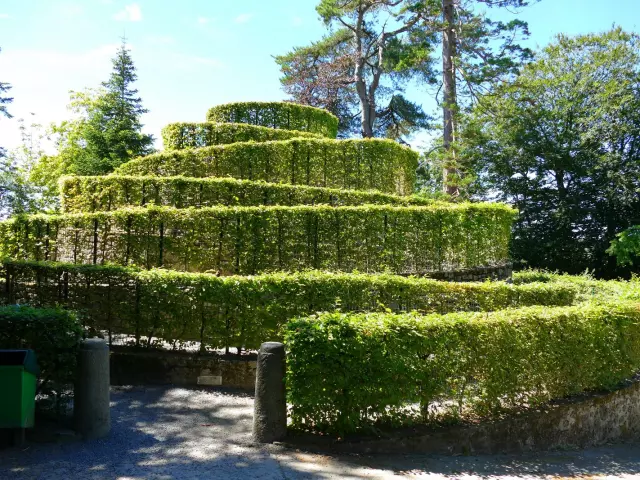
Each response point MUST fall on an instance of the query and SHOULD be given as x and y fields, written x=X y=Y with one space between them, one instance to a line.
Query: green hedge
x=178 y=136
x=347 y=373
x=588 y=287
x=281 y=115
x=242 y=311
x=351 y=164
x=250 y=240
x=53 y=334
x=112 y=192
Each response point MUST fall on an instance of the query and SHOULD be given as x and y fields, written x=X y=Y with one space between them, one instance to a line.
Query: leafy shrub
x=348 y=372
x=626 y=246
x=279 y=115
x=53 y=334
x=112 y=192
x=232 y=311
x=250 y=240
x=178 y=136
x=361 y=164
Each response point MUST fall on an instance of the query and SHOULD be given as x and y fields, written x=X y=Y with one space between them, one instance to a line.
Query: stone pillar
x=91 y=398
x=270 y=406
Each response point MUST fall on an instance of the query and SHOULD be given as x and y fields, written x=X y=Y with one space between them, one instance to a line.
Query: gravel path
x=175 y=433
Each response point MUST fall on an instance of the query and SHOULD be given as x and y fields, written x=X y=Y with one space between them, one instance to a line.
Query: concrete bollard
x=270 y=405
x=91 y=399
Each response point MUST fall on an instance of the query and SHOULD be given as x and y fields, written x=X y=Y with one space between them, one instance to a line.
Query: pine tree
x=122 y=108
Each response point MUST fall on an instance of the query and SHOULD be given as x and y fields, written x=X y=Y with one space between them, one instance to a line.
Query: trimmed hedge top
x=177 y=136
x=249 y=240
x=279 y=115
x=112 y=192
x=362 y=164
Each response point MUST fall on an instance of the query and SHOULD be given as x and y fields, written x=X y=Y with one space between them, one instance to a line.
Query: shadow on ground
x=177 y=433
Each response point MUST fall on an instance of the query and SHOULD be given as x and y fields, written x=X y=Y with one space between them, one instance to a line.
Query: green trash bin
x=18 y=379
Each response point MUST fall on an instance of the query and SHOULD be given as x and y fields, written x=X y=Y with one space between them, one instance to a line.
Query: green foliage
x=351 y=164
x=112 y=192
x=626 y=247
x=359 y=70
x=560 y=144
x=177 y=136
x=233 y=311
x=53 y=334
x=280 y=115
x=105 y=131
x=249 y=240
x=353 y=372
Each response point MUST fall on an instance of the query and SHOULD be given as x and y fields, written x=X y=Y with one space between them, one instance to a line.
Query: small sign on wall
x=210 y=380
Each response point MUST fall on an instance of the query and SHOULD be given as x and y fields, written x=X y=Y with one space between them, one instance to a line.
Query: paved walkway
x=174 y=433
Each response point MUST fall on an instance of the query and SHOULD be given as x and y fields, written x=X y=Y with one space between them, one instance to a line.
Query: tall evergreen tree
x=105 y=131
x=121 y=109
x=477 y=54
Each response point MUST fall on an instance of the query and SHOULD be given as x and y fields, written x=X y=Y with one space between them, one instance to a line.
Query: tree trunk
x=450 y=100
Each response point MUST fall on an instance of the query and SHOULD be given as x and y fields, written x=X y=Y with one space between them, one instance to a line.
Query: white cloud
x=203 y=20
x=4 y=16
x=296 y=22
x=131 y=13
x=244 y=17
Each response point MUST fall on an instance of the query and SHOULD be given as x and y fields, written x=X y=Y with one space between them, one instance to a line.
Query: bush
x=53 y=334
x=280 y=115
x=178 y=136
x=362 y=164
x=112 y=192
x=349 y=372
x=250 y=240
x=243 y=311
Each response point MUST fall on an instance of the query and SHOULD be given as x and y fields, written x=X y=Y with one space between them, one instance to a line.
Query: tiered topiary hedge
x=250 y=240
x=113 y=192
x=243 y=310
x=277 y=115
x=287 y=198
x=177 y=136
x=350 y=164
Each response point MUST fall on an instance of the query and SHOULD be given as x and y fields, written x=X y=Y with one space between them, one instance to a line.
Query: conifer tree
x=121 y=109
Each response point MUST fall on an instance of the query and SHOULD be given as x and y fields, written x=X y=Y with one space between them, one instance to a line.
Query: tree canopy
x=105 y=130
x=562 y=143
x=360 y=69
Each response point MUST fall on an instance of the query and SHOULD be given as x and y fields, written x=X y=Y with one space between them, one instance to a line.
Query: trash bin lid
x=24 y=358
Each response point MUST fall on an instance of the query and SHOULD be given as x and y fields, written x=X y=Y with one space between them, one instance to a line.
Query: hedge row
x=242 y=311
x=111 y=192
x=362 y=164
x=54 y=335
x=177 y=136
x=588 y=287
x=250 y=240
x=348 y=372
x=281 y=115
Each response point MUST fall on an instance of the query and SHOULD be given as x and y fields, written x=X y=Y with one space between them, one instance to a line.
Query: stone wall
x=135 y=367
x=580 y=422
x=480 y=274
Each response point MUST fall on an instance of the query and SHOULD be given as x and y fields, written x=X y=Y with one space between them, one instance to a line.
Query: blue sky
x=192 y=54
